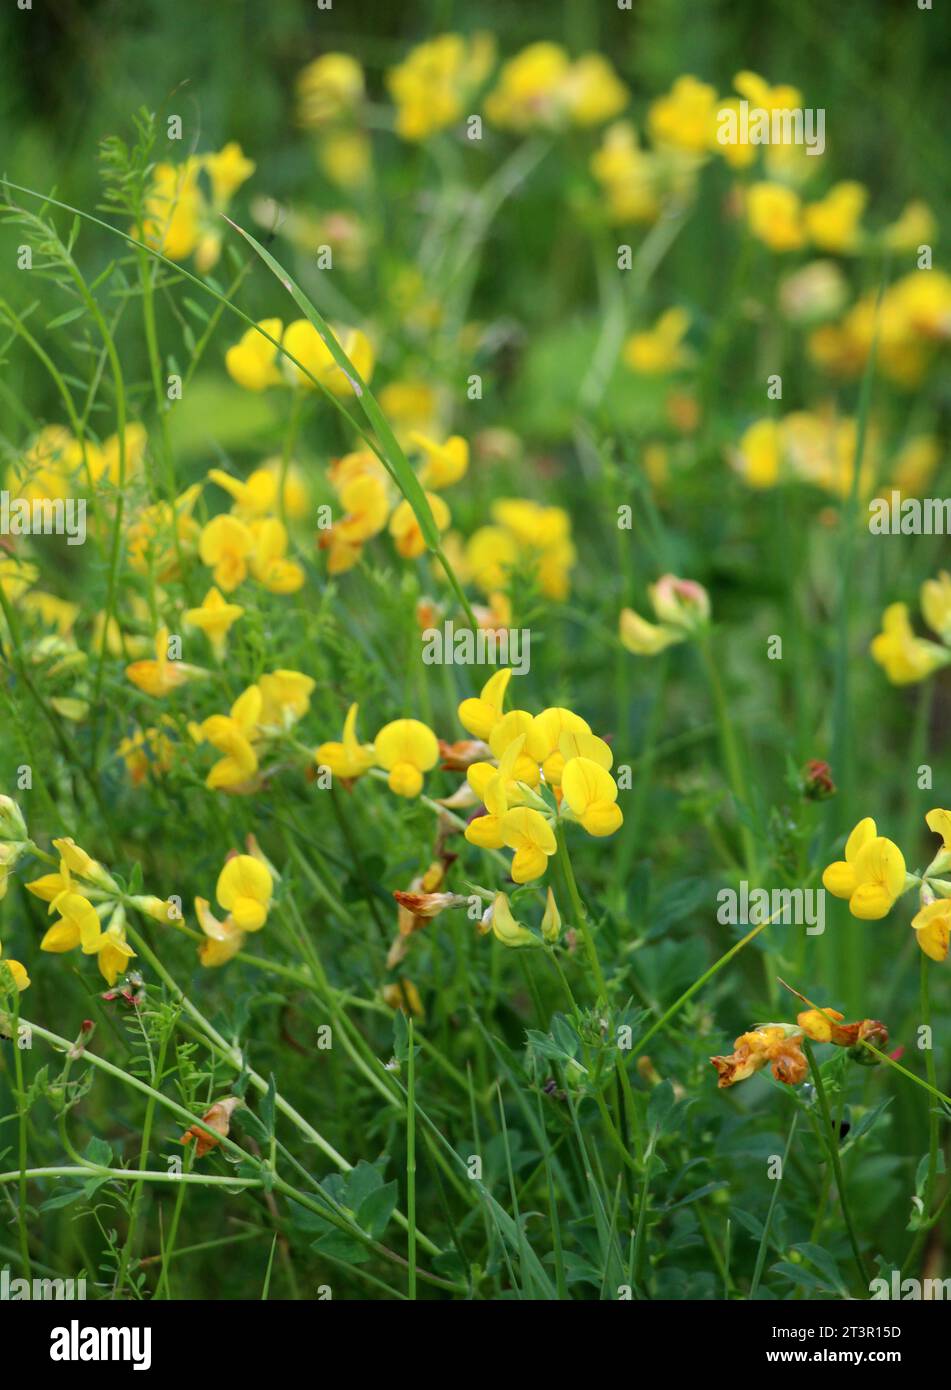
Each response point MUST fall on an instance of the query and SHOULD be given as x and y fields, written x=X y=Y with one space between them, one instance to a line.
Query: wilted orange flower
x=217 y=1118
x=775 y=1044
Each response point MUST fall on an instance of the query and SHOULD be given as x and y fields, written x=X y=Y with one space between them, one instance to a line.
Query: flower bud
x=12 y=824
x=681 y=603
x=816 y=781
x=159 y=909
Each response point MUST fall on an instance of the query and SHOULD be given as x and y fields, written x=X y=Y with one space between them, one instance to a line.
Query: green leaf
x=340 y=1246
x=69 y=317
x=99 y=1152
x=659 y=1106
x=376 y=1209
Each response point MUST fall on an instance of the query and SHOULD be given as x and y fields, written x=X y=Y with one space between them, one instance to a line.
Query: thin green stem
x=832 y=1145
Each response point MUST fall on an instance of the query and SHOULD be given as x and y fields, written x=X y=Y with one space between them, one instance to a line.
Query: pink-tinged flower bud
x=681 y=603
x=816 y=781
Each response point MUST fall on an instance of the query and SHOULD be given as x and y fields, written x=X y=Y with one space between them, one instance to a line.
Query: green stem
x=698 y=984
x=411 y=1157
x=931 y=1068
x=581 y=923
x=832 y=1145
x=730 y=748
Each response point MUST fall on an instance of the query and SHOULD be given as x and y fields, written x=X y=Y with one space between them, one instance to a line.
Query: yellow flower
x=52 y=612
x=78 y=925
x=659 y=349
x=758 y=455
x=591 y=792
x=225 y=545
x=285 y=698
x=215 y=617
x=628 y=174
x=496 y=788
x=252 y=498
x=363 y=493
x=740 y=153
x=302 y=341
x=252 y=361
x=529 y=834
x=940 y=822
x=296 y=494
x=224 y=938
x=173 y=210
x=179 y=220
x=530 y=90
x=112 y=949
x=543 y=739
x=543 y=544
x=431 y=85
x=16 y=576
x=160 y=676
x=833 y=223
x=933 y=928
x=406 y=748
x=504 y=926
x=227 y=171
x=244 y=889
x=345 y=157
x=232 y=735
x=350 y=758
x=774 y=214
x=20 y=978
x=685 y=118
x=104 y=462
x=593 y=91
x=490 y=556
x=936 y=605
x=405 y=530
x=445 y=463
x=904 y=657
x=644 y=638
x=479 y=714
x=511 y=727
x=328 y=89
x=871 y=876
x=914 y=227
x=269 y=563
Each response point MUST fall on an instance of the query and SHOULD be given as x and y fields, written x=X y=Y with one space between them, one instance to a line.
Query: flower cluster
x=818 y=448
x=260 y=716
x=548 y=768
x=779 y=1046
x=253 y=361
x=904 y=656
x=368 y=500
x=873 y=876
x=181 y=218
